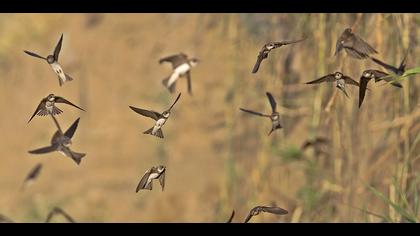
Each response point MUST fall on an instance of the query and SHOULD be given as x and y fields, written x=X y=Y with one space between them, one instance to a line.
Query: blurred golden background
x=218 y=158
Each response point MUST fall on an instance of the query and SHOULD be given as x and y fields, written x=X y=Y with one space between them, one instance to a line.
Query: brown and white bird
x=266 y=49
x=377 y=76
x=32 y=175
x=258 y=209
x=47 y=106
x=340 y=79
x=181 y=66
x=61 y=143
x=153 y=173
x=53 y=62
x=274 y=116
x=58 y=211
x=160 y=118
x=353 y=45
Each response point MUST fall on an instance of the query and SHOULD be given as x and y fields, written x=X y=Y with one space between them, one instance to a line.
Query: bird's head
x=194 y=61
x=50 y=59
x=270 y=45
x=166 y=114
x=338 y=75
x=161 y=168
x=367 y=74
x=342 y=39
x=51 y=97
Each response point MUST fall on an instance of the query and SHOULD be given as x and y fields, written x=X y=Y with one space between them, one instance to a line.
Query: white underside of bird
x=151 y=178
x=179 y=71
x=158 y=125
x=57 y=69
x=49 y=106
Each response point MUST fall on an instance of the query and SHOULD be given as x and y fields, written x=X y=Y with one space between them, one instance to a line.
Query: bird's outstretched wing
x=43 y=150
x=274 y=210
x=34 y=55
x=327 y=78
x=350 y=81
x=188 y=75
x=63 y=100
x=176 y=60
x=143 y=181
x=152 y=114
x=362 y=89
x=58 y=48
x=72 y=129
x=176 y=100
x=272 y=101
x=384 y=65
x=162 y=180
x=38 y=108
x=57 y=210
x=261 y=56
x=286 y=42
x=254 y=112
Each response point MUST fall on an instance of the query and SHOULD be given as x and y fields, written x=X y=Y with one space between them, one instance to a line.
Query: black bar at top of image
x=205 y=6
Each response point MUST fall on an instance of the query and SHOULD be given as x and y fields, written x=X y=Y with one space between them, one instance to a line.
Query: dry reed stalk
x=297 y=214
x=406 y=120
x=232 y=34
x=319 y=34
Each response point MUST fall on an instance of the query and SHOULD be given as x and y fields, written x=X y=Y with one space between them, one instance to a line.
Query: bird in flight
x=61 y=143
x=339 y=78
x=274 y=116
x=258 y=209
x=353 y=45
x=55 y=211
x=32 y=175
x=377 y=75
x=160 y=118
x=181 y=66
x=266 y=49
x=52 y=60
x=47 y=106
x=146 y=181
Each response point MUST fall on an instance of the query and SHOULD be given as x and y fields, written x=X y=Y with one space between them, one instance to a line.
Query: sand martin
x=47 y=106
x=57 y=210
x=53 y=62
x=263 y=54
x=160 y=118
x=146 y=181
x=61 y=143
x=339 y=78
x=32 y=175
x=377 y=75
x=181 y=65
x=258 y=209
x=353 y=45
x=275 y=117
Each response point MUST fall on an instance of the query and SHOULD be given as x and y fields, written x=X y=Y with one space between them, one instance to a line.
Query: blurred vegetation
x=217 y=158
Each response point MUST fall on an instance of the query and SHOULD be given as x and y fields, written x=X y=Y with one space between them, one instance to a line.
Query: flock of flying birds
x=61 y=141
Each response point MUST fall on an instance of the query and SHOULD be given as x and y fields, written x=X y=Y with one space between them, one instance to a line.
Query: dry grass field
x=217 y=157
